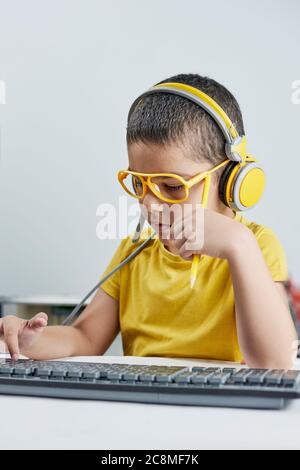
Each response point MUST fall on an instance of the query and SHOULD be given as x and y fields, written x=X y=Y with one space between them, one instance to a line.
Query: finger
x=184 y=252
x=11 y=328
x=191 y=228
x=177 y=229
x=178 y=243
x=182 y=229
x=37 y=324
x=40 y=319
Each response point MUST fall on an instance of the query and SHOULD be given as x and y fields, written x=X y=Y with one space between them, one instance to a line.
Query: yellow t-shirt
x=159 y=313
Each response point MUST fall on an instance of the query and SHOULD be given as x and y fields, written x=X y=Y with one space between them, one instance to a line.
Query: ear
x=138 y=229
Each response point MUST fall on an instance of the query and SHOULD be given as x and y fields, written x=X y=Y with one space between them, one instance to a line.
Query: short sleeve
x=112 y=285
x=274 y=254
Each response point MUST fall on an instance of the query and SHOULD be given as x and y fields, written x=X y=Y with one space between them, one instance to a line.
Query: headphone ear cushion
x=224 y=180
x=248 y=186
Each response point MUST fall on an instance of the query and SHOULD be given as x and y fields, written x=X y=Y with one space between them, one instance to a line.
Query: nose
x=150 y=199
x=152 y=206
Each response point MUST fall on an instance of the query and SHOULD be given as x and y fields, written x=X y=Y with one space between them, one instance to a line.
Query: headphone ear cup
x=247 y=186
x=241 y=187
x=224 y=180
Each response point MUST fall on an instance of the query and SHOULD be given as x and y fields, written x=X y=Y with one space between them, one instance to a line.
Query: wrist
x=240 y=241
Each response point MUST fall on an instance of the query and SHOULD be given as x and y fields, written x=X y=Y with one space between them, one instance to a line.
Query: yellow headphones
x=243 y=181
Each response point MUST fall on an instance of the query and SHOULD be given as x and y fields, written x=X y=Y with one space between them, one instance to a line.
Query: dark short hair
x=165 y=118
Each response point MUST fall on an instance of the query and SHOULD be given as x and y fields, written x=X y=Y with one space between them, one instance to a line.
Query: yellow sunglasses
x=168 y=187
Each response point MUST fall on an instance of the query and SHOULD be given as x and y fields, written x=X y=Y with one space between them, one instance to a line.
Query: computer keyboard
x=206 y=386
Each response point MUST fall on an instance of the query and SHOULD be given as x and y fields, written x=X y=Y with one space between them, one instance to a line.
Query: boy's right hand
x=19 y=334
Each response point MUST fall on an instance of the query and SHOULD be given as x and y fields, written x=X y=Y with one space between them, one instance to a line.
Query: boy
x=238 y=309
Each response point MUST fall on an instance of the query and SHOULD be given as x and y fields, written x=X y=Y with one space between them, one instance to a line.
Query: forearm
x=266 y=332
x=59 y=341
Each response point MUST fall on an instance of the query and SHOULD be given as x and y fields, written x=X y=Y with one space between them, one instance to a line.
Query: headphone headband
x=235 y=146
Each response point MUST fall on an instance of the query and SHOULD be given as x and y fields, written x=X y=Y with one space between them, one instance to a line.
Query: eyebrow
x=174 y=173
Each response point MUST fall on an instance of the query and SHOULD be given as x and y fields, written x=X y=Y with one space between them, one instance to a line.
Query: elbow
x=285 y=362
x=271 y=364
x=284 y=357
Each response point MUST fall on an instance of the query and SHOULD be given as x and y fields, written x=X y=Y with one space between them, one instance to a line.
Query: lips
x=158 y=224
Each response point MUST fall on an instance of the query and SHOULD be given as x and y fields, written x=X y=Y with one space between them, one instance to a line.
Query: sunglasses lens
x=168 y=188
x=134 y=185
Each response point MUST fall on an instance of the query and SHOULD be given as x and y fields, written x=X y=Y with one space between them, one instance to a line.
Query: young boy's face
x=153 y=158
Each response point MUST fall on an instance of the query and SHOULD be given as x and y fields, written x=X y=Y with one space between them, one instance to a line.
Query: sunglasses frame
x=146 y=180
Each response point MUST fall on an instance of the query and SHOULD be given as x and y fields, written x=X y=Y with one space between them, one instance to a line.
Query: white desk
x=45 y=423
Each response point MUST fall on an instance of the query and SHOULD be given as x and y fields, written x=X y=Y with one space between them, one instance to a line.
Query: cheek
x=195 y=194
x=145 y=210
x=149 y=206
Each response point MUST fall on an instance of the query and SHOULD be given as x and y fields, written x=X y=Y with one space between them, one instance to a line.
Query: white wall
x=72 y=69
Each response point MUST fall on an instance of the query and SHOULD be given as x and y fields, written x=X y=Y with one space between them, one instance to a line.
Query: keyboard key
x=74 y=374
x=6 y=369
x=219 y=378
x=240 y=376
x=168 y=374
x=59 y=373
x=91 y=375
x=23 y=371
x=184 y=377
x=256 y=376
x=163 y=378
x=43 y=372
x=114 y=375
x=147 y=377
x=201 y=377
x=131 y=376
x=274 y=377
x=291 y=377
